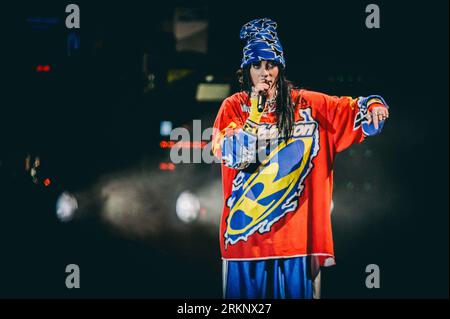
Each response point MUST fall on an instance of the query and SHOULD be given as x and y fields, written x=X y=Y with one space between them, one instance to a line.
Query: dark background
x=89 y=117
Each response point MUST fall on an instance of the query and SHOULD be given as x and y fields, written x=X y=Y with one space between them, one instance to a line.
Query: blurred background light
x=165 y=128
x=187 y=207
x=66 y=206
x=212 y=92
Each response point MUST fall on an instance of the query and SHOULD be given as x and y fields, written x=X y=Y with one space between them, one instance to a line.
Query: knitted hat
x=262 y=42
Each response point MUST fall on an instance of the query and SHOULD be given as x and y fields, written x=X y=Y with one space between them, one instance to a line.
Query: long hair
x=284 y=110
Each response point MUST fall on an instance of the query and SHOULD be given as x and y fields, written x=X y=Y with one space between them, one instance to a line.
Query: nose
x=264 y=73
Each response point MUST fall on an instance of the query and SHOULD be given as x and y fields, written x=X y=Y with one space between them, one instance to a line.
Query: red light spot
x=164 y=144
x=166 y=166
x=39 y=68
x=188 y=144
x=47 y=182
x=46 y=68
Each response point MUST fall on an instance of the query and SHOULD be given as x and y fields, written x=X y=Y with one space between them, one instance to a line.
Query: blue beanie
x=262 y=42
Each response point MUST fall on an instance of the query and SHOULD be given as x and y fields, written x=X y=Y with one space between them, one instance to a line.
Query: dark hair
x=284 y=110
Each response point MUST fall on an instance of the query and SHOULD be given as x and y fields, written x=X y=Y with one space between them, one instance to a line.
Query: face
x=264 y=71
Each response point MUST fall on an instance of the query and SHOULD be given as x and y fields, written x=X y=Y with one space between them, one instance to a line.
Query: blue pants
x=287 y=278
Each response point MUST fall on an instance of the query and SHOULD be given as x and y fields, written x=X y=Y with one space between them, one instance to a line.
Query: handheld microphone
x=261 y=101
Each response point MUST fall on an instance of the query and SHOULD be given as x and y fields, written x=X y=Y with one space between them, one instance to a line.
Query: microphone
x=261 y=101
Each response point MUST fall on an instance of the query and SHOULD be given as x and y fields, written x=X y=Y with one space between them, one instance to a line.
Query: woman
x=277 y=172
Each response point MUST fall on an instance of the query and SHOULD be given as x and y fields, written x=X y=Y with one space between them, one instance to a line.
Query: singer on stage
x=277 y=144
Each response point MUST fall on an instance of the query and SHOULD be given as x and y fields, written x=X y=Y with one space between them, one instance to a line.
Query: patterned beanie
x=262 y=42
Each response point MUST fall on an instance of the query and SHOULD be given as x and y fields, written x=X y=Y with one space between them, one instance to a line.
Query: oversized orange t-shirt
x=279 y=206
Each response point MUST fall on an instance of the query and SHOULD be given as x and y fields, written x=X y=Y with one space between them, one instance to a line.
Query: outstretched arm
x=353 y=119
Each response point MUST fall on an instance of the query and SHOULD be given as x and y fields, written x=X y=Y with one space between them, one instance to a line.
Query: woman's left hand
x=377 y=114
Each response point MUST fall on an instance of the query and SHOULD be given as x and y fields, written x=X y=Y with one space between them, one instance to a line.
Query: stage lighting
x=42 y=23
x=167 y=166
x=165 y=128
x=212 y=92
x=187 y=207
x=73 y=43
x=47 y=182
x=66 y=206
x=43 y=68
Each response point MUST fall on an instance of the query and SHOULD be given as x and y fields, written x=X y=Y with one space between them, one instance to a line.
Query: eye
x=256 y=65
x=270 y=65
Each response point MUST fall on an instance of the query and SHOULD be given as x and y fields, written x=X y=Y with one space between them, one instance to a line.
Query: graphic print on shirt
x=361 y=116
x=262 y=197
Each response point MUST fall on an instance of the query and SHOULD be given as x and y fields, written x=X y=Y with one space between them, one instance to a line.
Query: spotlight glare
x=66 y=206
x=187 y=207
x=165 y=128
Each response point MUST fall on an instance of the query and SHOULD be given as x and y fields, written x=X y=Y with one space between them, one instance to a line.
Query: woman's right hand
x=261 y=87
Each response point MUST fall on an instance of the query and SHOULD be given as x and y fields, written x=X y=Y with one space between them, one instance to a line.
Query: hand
x=260 y=88
x=255 y=113
x=377 y=114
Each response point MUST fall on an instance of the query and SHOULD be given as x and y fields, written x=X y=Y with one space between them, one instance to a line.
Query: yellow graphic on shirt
x=270 y=191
